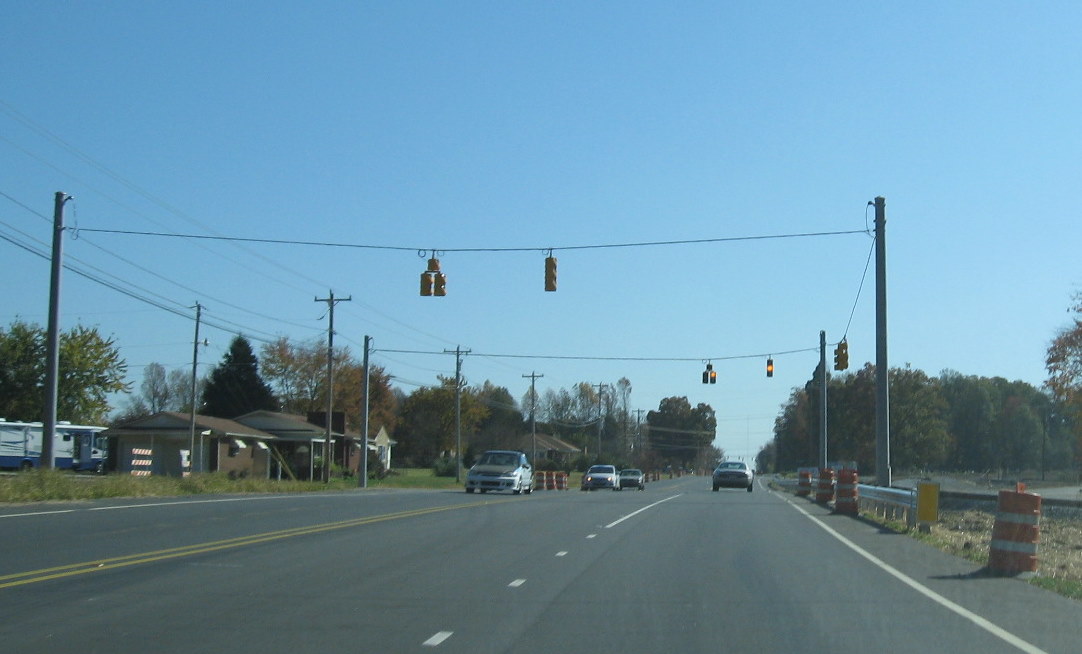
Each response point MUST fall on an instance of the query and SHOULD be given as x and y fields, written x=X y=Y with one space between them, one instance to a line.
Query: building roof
x=175 y=424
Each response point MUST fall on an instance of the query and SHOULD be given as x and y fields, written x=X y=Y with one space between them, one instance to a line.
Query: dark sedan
x=632 y=478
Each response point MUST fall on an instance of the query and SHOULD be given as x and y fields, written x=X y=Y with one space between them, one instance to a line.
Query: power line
x=599 y=246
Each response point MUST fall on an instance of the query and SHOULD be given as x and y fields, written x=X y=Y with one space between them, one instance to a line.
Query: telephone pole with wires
x=328 y=452
x=533 y=377
x=52 y=340
x=459 y=352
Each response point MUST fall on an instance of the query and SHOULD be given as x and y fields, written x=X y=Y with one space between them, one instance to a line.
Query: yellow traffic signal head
x=439 y=285
x=426 y=284
x=550 y=273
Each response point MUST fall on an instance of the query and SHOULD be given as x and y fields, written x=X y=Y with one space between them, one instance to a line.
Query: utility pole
x=328 y=453
x=638 y=428
x=458 y=410
x=52 y=343
x=191 y=422
x=600 y=421
x=364 y=435
x=533 y=376
x=882 y=376
x=822 y=400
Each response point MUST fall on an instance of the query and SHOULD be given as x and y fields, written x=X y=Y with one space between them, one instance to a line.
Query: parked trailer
x=76 y=447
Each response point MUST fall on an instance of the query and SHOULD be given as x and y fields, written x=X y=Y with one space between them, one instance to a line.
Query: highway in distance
x=674 y=568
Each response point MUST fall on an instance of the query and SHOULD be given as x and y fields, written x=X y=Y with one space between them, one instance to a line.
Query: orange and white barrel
x=847 y=500
x=824 y=492
x=803 y=487
x=1015 y=533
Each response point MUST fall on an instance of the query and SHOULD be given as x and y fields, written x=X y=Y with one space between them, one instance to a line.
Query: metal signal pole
x=882 y=377
x=364 y=433
x=822 y=400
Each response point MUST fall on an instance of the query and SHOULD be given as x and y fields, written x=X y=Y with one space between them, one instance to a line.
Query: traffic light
x=713 y=377
x=769 y=367
x=841 y=356
x=709 y=376
x=550 y=273
x=433 y=282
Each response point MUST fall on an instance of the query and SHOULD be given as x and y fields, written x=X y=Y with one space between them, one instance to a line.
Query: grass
x=41 y=485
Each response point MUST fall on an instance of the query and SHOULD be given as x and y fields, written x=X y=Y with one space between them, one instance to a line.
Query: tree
x=427 y=428
x=1064 y=365
x=234 y=387
x=503 y=424
x=160 y=391
x=298 y=374
x=680 y=433
x=90 y=370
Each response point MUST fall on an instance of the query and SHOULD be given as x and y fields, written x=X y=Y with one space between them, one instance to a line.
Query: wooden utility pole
x=328 y=452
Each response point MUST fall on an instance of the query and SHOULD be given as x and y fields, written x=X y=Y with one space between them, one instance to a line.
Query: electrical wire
x=400 y=248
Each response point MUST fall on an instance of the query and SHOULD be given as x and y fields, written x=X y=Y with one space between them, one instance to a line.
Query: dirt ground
x=968 y=533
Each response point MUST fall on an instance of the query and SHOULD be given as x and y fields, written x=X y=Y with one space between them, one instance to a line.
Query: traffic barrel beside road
x=803 y=487
x=539 y=480
x=848 y=498
x=825 y=491
x=561 y=481
x=1016 y=532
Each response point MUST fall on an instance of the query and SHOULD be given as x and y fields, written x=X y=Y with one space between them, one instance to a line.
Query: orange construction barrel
x=1015 y=533
x=825 y=491
x=848 y=497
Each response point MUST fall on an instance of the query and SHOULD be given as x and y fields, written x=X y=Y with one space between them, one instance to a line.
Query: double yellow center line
x=86 y=567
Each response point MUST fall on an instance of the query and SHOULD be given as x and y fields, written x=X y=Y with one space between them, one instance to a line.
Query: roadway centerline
x=85 y=567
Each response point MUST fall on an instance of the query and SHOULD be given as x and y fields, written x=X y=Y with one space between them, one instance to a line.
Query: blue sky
x=488 y=126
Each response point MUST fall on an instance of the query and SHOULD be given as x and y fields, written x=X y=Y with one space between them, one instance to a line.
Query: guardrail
x=889 y=503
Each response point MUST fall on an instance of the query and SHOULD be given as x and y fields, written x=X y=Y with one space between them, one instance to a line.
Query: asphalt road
x=674 y=568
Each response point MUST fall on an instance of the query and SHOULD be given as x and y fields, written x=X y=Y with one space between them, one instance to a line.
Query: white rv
x=76 y=447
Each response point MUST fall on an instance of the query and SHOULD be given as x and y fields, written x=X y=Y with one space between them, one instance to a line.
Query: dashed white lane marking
x=591 y=535
x=516 y=583
x=563 y=553
x=437 y=638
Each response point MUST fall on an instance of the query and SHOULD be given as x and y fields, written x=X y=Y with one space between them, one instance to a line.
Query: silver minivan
x=500 y=470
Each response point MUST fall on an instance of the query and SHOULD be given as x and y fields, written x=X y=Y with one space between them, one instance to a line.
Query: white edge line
x=981 y=622
x=437 y=638
x=23 y=515
x=516 y=583
x=634 y=513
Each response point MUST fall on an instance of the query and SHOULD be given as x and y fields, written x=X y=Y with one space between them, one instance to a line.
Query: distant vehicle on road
x=601 y=476
x=500 y=470
x=76 y=447
x=733 y=474
x=632 y=478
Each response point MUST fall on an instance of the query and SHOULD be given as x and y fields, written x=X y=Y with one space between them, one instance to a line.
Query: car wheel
x=715 y=489
x=483 y=490
x=469 y=490
x=750 y=486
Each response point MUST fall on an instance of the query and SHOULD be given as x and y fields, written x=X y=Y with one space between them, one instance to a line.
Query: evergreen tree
x=234 y=387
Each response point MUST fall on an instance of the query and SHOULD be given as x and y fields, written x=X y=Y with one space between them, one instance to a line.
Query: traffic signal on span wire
x=841 y=356
x=550 y=273
x=770 y=367
x=710 y=376
x=433 y=282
